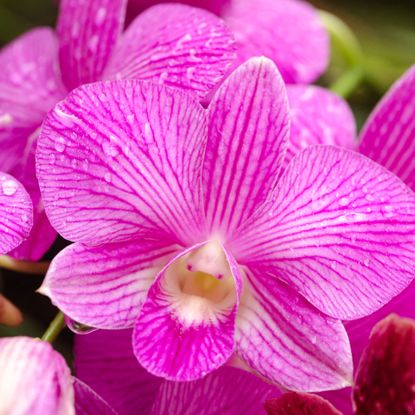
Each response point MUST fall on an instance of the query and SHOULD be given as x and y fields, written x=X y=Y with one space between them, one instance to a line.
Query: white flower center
x=200 y=285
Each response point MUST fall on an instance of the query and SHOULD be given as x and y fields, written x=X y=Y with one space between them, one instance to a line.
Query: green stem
x=55 y=327
x=345 y=41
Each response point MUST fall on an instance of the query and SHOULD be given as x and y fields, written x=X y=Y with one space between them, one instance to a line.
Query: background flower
x=172 y=44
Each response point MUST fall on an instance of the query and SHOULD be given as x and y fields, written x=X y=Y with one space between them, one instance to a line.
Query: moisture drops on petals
x=170 y=44
x=185 y=229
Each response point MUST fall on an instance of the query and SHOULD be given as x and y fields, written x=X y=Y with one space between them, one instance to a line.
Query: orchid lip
x=201 y=285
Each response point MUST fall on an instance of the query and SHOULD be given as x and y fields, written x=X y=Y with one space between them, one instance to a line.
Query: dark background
x=386 y=32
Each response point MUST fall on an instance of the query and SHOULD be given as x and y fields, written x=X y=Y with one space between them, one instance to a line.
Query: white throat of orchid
x=200 y=286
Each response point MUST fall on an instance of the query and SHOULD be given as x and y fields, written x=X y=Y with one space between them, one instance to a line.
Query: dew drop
x=24 y=217
x=77 y=327
x=60 y=145
x=344 y=201
x=110 y=148
x=9 y=187
x=100 y=16
x=108 y=177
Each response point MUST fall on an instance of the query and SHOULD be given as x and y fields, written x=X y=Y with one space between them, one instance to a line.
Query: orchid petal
x=88 y=31
x=23 y=362
x=182 y=335
x=287 y=31
x=16 y=213
x=288 y=341
x=340 y=229
x=176 y=45
x=389 y=134
x=227 y=391
x=293 y=403
x=42 y=235
x=248 y=129
x=385 y=378
x=87 y=402
x=104 y=286
x=215 y=6
x=318 y=117
x=105 y=360
x=29 y=86
x=119 y=159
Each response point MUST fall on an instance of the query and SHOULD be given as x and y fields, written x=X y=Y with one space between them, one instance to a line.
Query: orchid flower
x=16 y=218
x=35 y=380
x=385 y=377
x=105 y=361
x=388 y=137
x=186 y=231
x=172 y=44
x=289 y=32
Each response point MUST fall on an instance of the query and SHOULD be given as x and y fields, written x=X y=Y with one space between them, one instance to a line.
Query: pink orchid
x=388 y=138
x=16 y=219
x=289 y=32
x=172 y=44
x=186 y=230
x=35 y=380
x=384 y=382
x=105 y=361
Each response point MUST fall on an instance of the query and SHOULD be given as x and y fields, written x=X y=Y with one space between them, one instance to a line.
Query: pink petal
x=42 y=234
x=385 y=378
x=16 y=213
x=120 y=159
x=287 y=31
x=215 y=6
x=87 y=402
x=389 y=135
x=23 y=363
x=227 y=391
x=105 y=361
x=318 y=117
x=29 y=86
x=182 y=335
x=176 y=45
x=293 y=403
x=340 y=230
x=288 y=341
x=248 y=129
x=88 y=32
x=104 y=286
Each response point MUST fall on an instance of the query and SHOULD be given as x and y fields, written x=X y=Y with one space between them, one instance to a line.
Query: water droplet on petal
x=9 y=187
x=344 y=201
x=60 y=144
x=108 y=177
x=77 y=327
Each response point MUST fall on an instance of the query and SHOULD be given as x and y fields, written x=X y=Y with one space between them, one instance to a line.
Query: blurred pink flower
x=289 y=32
x=186 y=230
x=35 y=380
x=172 y=44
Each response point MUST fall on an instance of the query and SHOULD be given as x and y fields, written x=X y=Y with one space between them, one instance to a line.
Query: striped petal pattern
x=389 y=134
x=29 y=86
x=120 y=159
x=23 y=361
x=181 y=334
x=176 y=45
x=318 y=117
x=42 y=235
x=248 y=129
x=16 y=213
x=88 y=31
x=104 y=286
x=340 y=229
x=287 y=31
x=288 y=341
